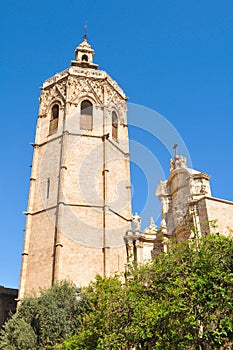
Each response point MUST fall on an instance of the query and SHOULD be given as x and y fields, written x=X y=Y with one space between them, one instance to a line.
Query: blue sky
x=174 y=57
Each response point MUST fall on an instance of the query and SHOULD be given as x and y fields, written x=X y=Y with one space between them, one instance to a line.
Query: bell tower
x=79 y=205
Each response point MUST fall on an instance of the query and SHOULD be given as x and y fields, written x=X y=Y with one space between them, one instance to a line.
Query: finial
x=85 y=32
x=175 y=149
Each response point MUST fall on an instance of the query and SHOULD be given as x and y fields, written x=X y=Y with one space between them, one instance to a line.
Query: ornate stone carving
x=83 y=72
x=179 y=213
x=49 y=95
x=62 y=88
x=178 y=162
x=152 y=228
x=163 y=226
x=203 y=189
x=84 y=86
x=165 y=204
x=138 y=244
x=192 y=185
x=112 y=96
x=56 y=78
x=137 y=222
x=97 y=89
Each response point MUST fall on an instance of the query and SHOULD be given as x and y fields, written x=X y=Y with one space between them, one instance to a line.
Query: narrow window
x=86 y=117
x=114 y=125
x=48 y=187
x=54 y=119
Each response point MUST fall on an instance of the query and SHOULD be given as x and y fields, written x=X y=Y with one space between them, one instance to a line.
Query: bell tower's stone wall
x=79 y=205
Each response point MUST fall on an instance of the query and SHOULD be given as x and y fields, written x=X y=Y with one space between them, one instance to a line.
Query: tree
x=18 y=334
x=106 y=319
x=191 y=290
x=42 y=322
x=182 y=300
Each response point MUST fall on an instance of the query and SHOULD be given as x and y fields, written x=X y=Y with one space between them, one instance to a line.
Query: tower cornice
x=86 y=73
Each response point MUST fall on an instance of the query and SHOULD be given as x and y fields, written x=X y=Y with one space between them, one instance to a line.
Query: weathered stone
x=79 y=205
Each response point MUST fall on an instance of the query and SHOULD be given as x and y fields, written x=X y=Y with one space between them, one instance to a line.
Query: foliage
x=18 y=334
x=42 y=322
x=103 y=326
x=182 y=300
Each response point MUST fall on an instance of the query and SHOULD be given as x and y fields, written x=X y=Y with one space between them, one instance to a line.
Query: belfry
x=79 y=205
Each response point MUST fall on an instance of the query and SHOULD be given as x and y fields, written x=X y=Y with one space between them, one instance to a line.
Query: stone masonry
x=79 y=205
x=188 y=211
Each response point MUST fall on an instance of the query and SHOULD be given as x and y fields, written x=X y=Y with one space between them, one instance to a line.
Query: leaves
x=42 y=322
x=182 y=300
x=18 y=334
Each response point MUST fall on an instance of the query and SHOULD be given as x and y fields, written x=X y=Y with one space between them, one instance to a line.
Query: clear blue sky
x=175 y=57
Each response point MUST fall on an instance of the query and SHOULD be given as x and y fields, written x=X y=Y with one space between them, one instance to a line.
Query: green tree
x=18 y=334
x=182 y=300
x=105 y=322
x=42 y=322
x=191 y=289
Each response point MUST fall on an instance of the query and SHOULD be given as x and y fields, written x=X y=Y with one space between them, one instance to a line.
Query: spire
x=84 y=53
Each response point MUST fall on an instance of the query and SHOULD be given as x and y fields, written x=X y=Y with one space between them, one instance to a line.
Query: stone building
x=79 y=205
x=188 y=211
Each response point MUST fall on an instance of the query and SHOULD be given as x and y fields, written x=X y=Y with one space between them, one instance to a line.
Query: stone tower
x=188 y=208
x=79 y=205
x=181 y=197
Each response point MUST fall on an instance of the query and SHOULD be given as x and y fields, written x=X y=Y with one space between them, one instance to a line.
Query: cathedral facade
x=188 y=211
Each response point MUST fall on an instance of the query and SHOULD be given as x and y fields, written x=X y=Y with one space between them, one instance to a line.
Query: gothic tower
x=79 y=205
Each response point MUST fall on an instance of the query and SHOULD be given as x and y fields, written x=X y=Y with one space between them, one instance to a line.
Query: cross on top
x=175 y=148
x=85 y=32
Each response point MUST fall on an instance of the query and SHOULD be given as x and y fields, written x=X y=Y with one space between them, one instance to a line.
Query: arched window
x=114 y=125
x=86 y=116
x=54 y=119
x=85 y=58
